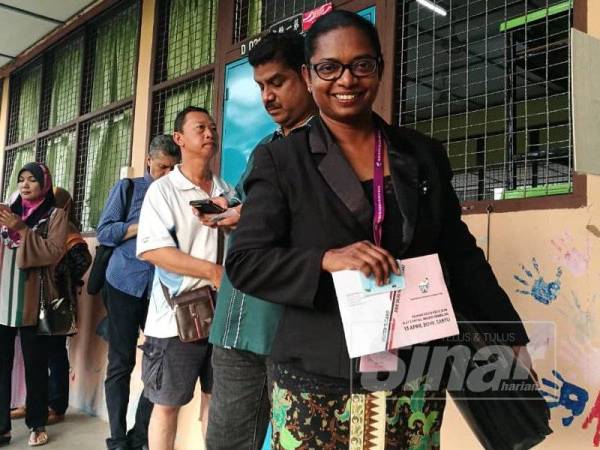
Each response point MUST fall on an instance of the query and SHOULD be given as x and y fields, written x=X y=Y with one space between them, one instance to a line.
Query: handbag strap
x=128 y=197
x=220 y=247
x=167 y=295
x=44 y=223
x=220 y=255
x=44 y=270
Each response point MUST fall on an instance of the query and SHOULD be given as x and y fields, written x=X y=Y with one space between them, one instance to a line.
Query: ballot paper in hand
x=420 y=312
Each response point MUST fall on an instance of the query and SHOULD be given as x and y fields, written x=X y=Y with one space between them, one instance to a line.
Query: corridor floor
x=78 y=432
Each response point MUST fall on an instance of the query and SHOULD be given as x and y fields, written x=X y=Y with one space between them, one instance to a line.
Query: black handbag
x=57 y=316
x=103 y=253
x=98 y=272
x=513 y=417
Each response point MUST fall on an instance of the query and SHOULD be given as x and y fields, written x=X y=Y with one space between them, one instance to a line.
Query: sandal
x=38 y=437
x=5 y=439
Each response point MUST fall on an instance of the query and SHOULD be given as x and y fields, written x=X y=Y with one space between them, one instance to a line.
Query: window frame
x=575 y=199
x=84 y=31
x=211 y=70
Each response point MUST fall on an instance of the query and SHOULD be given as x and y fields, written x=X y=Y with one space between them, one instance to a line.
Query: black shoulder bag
x=103 y=253
x=57 y=315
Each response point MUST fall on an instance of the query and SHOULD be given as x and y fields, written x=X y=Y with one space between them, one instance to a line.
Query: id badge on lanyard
x=378 y=190
x=384 y=361
x=396 y=281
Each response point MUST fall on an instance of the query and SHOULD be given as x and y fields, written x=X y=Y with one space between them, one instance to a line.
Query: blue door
x=245 y=121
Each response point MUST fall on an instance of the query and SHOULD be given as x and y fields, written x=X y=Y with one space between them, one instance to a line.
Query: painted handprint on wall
x=594 y=415
x=541 y=290
x=570 y=256
x=577 y=347
x=567 y=395
x=542 y=340
x=583 y=313
x=585 y=357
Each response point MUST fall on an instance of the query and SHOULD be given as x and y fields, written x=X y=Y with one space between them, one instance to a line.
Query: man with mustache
x=244 y=326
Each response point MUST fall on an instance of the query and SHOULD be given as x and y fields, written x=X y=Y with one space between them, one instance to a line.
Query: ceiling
x=24 y=22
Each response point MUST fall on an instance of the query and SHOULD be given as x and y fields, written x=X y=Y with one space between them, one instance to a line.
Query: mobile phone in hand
x=228 y=213
x=207 y=207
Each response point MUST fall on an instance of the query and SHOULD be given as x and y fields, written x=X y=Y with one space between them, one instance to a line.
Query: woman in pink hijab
x=33 y=233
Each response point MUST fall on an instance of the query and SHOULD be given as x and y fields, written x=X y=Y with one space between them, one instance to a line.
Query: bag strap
x=220 y=254
x=220 y=247
x=220 y=244
x=42 y=229
x=167 y=295
x=128 y=197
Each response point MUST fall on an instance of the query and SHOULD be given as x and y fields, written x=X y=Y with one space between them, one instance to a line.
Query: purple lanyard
x=378 y=197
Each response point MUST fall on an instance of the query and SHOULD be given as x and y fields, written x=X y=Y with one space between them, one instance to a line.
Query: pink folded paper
x=421 y=312
x=379 y=362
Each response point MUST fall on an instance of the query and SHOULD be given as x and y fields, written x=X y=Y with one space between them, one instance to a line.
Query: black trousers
x=126 y=316
x=35 y=356
x=58 y=382
x=239 y=408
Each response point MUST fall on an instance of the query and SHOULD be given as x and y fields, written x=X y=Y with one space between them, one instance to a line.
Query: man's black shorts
x=170 y=369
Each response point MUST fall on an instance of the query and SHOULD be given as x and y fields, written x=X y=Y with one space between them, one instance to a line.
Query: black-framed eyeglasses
x=332 y=70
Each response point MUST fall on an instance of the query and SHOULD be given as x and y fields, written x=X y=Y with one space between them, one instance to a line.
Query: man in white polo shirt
x=185 y=253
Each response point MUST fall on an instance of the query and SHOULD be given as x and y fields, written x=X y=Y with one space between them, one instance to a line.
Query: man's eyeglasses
x=332 y=70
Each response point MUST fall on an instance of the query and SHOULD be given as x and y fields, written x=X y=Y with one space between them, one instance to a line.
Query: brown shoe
x=18 y=413
x=5 y=439
x=54 y=418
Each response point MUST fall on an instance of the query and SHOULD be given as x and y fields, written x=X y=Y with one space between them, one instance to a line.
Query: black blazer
x=303 y=198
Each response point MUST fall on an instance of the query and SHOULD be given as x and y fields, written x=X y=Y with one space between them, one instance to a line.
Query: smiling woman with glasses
x=332 y=70
x=352 y=192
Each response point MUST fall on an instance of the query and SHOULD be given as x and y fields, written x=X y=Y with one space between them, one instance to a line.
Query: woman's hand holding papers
x=364 y=256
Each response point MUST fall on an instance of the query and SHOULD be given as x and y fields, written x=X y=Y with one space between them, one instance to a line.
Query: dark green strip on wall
x=536 y=15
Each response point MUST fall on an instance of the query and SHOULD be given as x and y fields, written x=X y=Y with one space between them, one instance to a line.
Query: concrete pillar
x=143 y=97
x=3 y=124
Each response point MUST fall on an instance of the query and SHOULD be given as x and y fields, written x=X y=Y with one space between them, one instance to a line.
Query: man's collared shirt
x=241 y=321
x=167 y=220
x=277 y=134
x=125 y=272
